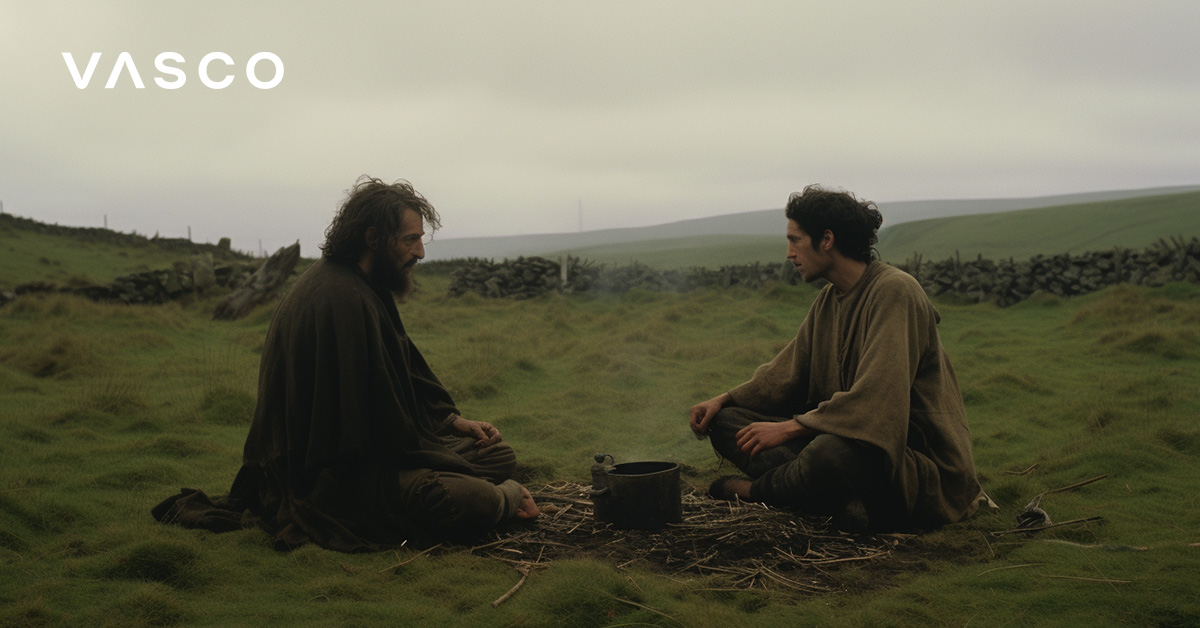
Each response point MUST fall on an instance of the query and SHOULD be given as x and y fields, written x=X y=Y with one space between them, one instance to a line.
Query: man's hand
x=702 y=413
x=527 y=508
x=485 y=433
x=767 y=434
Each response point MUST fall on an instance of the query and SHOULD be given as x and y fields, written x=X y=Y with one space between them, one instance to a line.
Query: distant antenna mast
x=581 y=215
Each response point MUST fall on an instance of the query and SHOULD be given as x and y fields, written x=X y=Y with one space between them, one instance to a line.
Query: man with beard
x=860 y=416
x=355 y=443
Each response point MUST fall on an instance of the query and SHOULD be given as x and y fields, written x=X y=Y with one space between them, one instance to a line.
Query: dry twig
x=416 y=556
x=1099 y=580
x=1076 y=485
x=1025 y=472
x=524 y=576
x=1047 y=527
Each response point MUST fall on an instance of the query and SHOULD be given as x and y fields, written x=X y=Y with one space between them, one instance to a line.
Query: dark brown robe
x=873 y=365
x=345 y=401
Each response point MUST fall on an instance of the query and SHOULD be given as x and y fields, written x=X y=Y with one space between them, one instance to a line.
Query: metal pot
x=636 y=495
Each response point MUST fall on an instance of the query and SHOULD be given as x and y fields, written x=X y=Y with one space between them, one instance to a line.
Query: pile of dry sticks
x=753 y=545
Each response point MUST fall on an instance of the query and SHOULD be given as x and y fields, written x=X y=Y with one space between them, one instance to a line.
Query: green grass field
x=105 y=410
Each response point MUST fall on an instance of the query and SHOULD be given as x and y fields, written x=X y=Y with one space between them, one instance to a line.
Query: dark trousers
x=442 y=504
x=818 y=474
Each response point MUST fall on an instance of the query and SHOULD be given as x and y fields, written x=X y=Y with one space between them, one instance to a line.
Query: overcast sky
x=511 y=116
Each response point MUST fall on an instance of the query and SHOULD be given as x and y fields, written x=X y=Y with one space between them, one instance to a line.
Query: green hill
x=608 y=245
x=80 y=256
x=1130 y=223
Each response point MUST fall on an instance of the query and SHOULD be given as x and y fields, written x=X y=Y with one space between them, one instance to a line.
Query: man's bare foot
x=730 y=487
x=527 y=508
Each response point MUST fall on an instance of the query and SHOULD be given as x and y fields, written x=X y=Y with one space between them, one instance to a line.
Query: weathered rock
x=261 y=285
x=203 y=275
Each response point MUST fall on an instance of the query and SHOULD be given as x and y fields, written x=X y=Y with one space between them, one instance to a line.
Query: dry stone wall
x=1004 y=282
x=528 y=277
x=1007 y=282
x=157 y=286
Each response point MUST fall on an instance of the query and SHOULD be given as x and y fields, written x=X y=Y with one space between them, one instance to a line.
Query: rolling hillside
x=999 y=228
x=1020 y=234
x=742 y=237
x=1132 y=223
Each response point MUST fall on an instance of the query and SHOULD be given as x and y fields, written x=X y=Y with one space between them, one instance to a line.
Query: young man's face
x=810 y=263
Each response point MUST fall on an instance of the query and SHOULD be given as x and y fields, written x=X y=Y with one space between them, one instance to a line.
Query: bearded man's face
x=395 y=260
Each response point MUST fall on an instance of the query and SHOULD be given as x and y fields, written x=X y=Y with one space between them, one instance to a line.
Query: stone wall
x=1005 y=282
x=157 y=286
x=528 y=277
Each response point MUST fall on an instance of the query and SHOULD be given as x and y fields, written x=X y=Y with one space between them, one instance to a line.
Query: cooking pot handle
x=600 y=492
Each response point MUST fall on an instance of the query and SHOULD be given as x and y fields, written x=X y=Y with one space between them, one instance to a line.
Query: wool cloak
x=873 y=365
x=345 y=401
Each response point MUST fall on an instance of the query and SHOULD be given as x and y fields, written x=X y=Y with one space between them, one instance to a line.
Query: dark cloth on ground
x=868 y=366
x=347 y=409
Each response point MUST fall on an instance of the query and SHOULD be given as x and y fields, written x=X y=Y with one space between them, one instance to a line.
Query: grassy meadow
x=105 y=410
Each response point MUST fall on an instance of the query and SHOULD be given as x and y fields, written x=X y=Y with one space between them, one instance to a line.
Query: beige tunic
x=873 y=364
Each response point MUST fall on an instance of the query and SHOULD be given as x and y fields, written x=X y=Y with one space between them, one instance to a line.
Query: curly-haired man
x=860 y=415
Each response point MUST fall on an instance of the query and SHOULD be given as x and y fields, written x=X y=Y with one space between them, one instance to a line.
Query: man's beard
x=385 y=273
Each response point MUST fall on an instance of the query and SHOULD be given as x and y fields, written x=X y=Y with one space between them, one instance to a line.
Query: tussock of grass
x=169 y=562
x=55 y=354
x=83 y=417
x=227 y=406
x=146 y=605
x=1001 y=385
x=761 y=326
x=1173 y=344
x=140 y=476
x=40 y=513
x=16 y=381
x=112 y=395
x=1128 y=305
x=31 y=613
x=34 y=435
x=175 y=447
x=1186 y=442
x=10 y=541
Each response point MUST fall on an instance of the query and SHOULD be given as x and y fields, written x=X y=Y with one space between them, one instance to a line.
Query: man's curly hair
x=373 y=203
x=854 y=223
